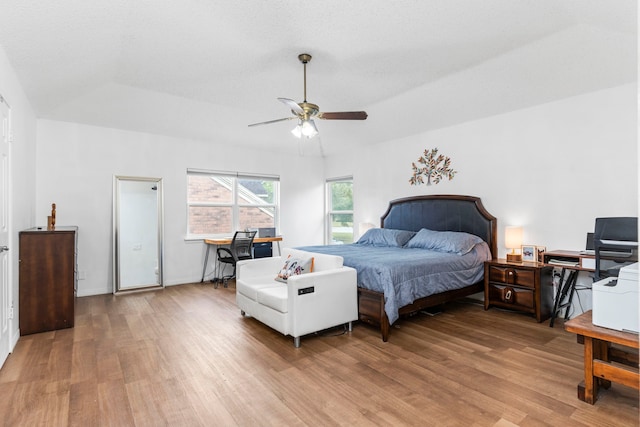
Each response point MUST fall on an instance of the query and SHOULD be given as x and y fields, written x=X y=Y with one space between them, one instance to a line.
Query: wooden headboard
x=443 y=213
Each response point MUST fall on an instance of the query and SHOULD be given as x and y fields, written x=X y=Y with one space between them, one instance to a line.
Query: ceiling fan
x=305 y=111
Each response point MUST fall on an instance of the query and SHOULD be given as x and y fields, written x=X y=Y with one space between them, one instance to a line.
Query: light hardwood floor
x=184 y=356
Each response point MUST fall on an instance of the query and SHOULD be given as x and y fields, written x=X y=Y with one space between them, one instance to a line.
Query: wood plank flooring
x=184 y=356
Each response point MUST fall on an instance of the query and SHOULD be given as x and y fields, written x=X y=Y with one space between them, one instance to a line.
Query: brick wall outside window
x=218 y=219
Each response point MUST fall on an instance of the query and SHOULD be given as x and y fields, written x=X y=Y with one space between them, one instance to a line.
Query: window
x=340 y=211
x=220 y=203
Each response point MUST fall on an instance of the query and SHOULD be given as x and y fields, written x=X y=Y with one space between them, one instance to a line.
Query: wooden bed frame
x=435 y=212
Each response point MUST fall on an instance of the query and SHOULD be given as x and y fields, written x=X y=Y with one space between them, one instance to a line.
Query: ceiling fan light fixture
x=297 y=131
x=304 y=111
x=305 y=128
x=309 y=128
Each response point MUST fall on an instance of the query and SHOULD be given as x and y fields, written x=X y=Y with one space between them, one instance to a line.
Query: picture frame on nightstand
x=540 y=250
x=529 y=253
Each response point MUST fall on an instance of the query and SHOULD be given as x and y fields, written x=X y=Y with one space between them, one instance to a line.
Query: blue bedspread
x=404 y=275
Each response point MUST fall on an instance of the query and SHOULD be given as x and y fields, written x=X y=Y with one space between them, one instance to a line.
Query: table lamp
x=513 y=241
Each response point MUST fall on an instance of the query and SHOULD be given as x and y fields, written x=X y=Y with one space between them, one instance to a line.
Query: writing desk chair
x=239 y=249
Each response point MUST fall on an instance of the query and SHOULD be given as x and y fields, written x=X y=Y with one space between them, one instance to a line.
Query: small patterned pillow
x=294 y=266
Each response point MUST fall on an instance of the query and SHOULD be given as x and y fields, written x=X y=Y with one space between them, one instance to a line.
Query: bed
x=391 y=279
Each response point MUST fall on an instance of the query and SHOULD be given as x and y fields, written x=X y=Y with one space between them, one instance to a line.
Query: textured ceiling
x=204 y=69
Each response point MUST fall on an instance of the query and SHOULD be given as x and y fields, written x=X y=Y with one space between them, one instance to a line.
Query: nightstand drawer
x=512 y=276
x=510 y=295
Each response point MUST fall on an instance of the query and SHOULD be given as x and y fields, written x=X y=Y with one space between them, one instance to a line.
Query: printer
x=615 y=301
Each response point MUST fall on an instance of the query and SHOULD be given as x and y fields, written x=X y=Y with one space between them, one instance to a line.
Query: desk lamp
x=513 y=241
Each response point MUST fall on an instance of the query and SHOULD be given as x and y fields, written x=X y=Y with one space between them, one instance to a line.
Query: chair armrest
x=224 y=251
x=332 y=301
x=258 y=267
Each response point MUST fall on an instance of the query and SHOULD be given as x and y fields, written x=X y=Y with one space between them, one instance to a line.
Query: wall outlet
x=82 y=275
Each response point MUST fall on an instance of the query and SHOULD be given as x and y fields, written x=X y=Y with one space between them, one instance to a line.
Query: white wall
x=22 y=192
x=75 y=168
x=552 y=168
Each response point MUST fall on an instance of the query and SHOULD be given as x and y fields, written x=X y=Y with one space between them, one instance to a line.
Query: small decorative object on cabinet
x=525 y=286
x=47 y=279
x=529 y=253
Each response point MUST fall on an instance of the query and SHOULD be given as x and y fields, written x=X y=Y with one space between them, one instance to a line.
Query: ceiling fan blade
x=345 y=115
x=272 y=121
x=292 y=104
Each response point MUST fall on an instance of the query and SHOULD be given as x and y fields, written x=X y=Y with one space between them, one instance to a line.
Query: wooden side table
x=598 y=355
x=523 y=286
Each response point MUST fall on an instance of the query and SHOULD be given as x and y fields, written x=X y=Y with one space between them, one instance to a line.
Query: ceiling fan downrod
x=305 y=58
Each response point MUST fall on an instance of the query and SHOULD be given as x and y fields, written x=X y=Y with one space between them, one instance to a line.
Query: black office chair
x=615 y=239
x=239 y=249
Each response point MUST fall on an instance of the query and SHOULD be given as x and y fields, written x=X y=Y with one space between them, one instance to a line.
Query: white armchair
x=308 y=303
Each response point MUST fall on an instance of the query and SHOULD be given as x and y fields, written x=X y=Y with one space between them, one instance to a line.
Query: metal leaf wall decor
x=432 y=166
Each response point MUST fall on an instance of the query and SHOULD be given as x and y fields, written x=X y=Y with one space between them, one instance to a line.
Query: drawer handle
x=509 y=295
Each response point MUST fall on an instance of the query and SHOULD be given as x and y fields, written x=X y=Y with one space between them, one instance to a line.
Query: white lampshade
x=306 y=128
x=513 y=237
x=309 y=128
x=297 y=131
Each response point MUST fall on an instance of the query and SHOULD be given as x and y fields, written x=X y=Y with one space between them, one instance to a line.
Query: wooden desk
x=572 y=263
x=574 y=260
x=579 y=261
x=570 y=259
x=598 y=355
x=214 y=243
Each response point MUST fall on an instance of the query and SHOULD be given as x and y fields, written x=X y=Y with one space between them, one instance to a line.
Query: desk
x=214 y=243
x=598 y=355
x=571 y=262
x=574 y=260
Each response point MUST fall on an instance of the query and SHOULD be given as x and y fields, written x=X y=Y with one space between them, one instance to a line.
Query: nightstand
x=523 y=286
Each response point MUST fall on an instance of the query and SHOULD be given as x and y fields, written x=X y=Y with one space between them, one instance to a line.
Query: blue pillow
x=454 y=242
x=385 y=237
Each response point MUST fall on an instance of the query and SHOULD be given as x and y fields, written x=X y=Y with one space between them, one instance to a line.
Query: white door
x=5 y=284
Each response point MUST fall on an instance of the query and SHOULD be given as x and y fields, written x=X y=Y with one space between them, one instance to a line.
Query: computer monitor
x=590 y=246
x=267 y=232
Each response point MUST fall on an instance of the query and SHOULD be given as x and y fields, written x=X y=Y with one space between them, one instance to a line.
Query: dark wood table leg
x=590 y=392
x=206 y=260
x=601 y=352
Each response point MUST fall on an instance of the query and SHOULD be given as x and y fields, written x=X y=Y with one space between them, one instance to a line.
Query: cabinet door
x=47 y=280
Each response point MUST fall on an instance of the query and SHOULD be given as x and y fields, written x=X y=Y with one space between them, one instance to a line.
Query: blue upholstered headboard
x=443 y=213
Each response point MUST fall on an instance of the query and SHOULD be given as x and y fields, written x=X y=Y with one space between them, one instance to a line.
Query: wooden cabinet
x=47 y=279
x=525 y=286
